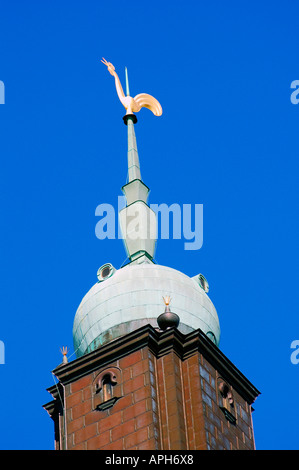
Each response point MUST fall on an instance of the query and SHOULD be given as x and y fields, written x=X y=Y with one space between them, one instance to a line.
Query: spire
x=137 y=220
x=136 y=193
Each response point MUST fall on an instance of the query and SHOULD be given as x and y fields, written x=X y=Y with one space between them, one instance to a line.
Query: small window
x=105 y=389
x=226 y=401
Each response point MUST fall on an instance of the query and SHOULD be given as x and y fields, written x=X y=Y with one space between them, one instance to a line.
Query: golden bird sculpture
x=133 y=105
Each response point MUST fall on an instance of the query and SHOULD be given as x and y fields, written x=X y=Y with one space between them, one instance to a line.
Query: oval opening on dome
x=203 y=283
x=105 y=271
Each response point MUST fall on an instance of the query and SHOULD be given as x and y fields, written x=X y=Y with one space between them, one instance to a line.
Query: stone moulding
x=159 y=343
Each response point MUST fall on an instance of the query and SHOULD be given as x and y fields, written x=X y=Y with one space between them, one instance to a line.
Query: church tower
x=149 y=373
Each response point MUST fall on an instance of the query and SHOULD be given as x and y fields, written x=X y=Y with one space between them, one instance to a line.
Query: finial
x=168 y=319
x=64 y=352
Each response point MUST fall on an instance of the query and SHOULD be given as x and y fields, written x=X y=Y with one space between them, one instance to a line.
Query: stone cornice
x=160 y=343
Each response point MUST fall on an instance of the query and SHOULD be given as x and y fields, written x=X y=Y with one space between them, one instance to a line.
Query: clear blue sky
x=228 y=139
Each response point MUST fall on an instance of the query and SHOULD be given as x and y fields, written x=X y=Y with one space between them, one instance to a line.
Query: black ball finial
x=168 y=319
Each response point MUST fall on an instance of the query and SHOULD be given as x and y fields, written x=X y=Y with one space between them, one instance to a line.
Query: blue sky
x=227 y=139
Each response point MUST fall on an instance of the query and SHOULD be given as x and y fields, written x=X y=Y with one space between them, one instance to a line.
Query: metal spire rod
x=127 y=82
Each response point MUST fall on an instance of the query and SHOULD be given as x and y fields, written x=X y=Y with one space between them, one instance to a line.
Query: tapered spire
x=137 y=220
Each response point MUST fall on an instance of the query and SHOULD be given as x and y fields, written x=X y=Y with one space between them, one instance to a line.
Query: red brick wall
x=132 y=423
x=220 y=433
x=195 y=417
x=171 y=402
x=166 y=404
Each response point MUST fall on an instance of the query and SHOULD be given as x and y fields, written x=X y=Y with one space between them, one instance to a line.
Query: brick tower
x=144 y=378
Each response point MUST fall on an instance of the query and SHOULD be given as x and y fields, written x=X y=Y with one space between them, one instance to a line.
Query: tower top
x=130 y=297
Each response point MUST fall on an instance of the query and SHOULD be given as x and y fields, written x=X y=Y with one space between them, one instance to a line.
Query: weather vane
x=133 y=105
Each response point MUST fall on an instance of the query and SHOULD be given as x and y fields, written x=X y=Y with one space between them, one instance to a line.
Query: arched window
x=105 y=386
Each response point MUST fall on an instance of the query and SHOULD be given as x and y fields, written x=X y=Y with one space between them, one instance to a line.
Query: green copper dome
x=132 y=297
